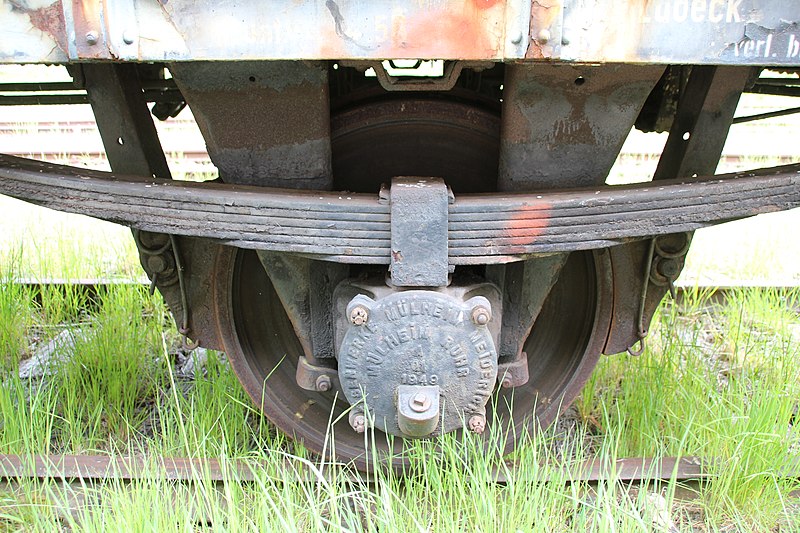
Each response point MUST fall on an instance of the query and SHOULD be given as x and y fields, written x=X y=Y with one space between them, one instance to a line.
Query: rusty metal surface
x=697 y=135
x=419 y=232
x=747 y=32
x=563 y=125
x=755 y=32
x=103 y=467
x=264 y=123
x=355 y=228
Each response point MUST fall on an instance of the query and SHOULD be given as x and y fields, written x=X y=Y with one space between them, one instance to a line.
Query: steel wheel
x=562 y=348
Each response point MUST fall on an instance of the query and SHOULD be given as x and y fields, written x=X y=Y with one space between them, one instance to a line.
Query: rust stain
x=450 y=33
x=485 y=4
x=527 y=224
x=50 y=20
x=544 y=13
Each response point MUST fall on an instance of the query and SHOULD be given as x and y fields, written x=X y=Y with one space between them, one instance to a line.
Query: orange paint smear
x=527 y=224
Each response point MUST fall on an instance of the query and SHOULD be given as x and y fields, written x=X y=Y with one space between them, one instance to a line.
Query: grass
x=722 y=383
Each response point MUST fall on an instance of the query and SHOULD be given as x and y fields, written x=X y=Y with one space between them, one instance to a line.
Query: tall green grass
x=719 y=382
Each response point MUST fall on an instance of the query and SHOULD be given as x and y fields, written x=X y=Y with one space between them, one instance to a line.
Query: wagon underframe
x=473 y=264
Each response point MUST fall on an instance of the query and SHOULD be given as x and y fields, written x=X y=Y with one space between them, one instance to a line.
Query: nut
x=357 y=421
x=323 y=383
x=420 y=402
x=477 y=424
x=481 y=315
x=359 y=315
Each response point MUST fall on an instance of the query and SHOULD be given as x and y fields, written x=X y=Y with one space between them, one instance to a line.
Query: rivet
x=127 y=37
x=543 y=36
x=91 y=37
x=517 y=38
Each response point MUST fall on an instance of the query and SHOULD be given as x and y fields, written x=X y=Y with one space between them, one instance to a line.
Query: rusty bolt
x=357 y=421
x=506 y=383
x=543 y=36
x=91 y=37
x=481 y=315
x=323 y=383
x=359 y=315
x=420 y=402
x=477 y=424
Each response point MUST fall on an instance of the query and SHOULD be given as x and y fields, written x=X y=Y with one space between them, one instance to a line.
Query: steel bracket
x=419 y=232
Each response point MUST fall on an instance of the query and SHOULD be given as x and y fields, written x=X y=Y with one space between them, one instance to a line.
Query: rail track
x=131 y=468
x=79 y=475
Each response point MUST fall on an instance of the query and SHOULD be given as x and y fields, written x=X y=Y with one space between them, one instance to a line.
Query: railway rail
x=105 y=467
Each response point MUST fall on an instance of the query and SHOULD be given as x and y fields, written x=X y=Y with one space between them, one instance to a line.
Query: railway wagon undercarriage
x=401 y=250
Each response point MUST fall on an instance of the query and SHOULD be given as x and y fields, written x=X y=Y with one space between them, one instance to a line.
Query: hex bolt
x=543 y=36
x=481 y=315
x=357 y=421
x=420 y=402
x=477 y=424
x=323 y=383
x=359 y=315
x=91 y=37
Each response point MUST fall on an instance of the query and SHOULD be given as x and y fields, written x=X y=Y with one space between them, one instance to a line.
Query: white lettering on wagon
x=715 y=11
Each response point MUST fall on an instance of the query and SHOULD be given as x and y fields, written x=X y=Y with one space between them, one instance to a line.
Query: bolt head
x=420 y=402
x=127 y=37
x=481 y=315
x=359 y=315
x=358 y=422
x=506 y=383
x=91 y=37
x=323 y=383
x=477 y=424
x=517 y=38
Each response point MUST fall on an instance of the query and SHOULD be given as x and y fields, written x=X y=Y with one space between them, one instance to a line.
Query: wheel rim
x=263 y=348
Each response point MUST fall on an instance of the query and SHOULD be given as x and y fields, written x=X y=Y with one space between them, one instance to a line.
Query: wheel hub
x=418 y=362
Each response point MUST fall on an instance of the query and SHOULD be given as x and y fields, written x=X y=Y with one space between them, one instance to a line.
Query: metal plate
x=418 y=338
x=755 y=32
